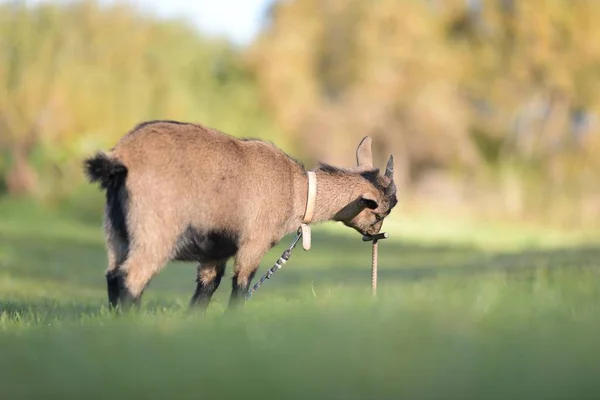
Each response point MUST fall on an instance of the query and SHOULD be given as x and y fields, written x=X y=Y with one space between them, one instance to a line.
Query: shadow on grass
x=345 y=261
x=470 y=265
x=332 y=259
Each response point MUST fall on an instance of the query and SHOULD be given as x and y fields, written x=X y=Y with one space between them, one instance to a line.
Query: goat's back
x=201 y=176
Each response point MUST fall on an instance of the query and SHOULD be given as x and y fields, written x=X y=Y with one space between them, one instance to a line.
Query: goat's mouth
x=369 y=231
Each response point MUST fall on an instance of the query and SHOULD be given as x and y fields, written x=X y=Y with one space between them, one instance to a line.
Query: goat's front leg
x=247 y=262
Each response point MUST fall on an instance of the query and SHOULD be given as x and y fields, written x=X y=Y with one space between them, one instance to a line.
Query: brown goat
x=181 y=191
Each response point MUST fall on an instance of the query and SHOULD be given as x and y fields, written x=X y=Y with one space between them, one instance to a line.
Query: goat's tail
x=104 y=169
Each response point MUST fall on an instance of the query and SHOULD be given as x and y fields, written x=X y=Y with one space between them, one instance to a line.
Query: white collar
x=310 y=209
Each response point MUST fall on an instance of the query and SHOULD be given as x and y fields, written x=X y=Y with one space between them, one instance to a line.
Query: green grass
x=490 y=312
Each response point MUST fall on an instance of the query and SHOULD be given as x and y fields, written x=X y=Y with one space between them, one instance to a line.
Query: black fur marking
x=203 y=246
x=371 y=175
x=117 y=202
x=114 y=283
x=204 y=292
x=238 y=292
x=118 y=294
x=158 y=121
x=104 y=169
x=111 y=174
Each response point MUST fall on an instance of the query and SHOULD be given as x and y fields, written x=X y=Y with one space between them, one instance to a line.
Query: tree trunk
x=21 y=179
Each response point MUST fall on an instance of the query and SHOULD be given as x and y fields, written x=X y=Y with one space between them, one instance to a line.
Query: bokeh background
x=490 y=107
x=488 y=284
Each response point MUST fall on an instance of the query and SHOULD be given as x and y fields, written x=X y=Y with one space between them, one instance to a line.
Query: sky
x=239 y=20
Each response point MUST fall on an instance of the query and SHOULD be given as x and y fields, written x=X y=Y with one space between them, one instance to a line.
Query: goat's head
x=375 y=195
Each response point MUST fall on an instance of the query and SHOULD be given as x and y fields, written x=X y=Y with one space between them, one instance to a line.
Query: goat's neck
x=334 y=193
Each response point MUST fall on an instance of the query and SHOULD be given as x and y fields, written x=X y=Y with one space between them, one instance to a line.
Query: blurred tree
x=377 y=68
x=493 y=91
x=75 y=77
x=456 y=85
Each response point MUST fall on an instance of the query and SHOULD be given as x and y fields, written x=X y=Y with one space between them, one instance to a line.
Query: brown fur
x=181 y=191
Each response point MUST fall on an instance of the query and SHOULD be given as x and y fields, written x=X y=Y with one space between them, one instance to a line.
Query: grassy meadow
x=465 y=311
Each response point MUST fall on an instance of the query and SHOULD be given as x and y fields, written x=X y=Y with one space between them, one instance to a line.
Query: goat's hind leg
x=137 y=271
x=152 y=238
x=209 y=278
x=130 y=269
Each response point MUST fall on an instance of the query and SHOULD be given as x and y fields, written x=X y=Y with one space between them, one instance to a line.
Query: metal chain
x=288 y=252
x=278 y=264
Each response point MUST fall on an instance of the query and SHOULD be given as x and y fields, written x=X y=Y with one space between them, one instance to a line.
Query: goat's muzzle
x=379 y=236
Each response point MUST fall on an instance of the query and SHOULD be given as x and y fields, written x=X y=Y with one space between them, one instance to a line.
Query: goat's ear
x=389 y=169
x=364 y=157
x=368 y=201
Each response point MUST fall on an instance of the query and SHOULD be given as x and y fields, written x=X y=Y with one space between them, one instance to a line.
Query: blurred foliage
x=489 y=104
x=497 y=91
x=74 y=78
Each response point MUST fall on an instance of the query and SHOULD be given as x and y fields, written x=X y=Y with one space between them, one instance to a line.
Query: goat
x=182 y=191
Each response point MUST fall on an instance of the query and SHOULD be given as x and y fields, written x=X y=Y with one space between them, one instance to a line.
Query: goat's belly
x=205 y=245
